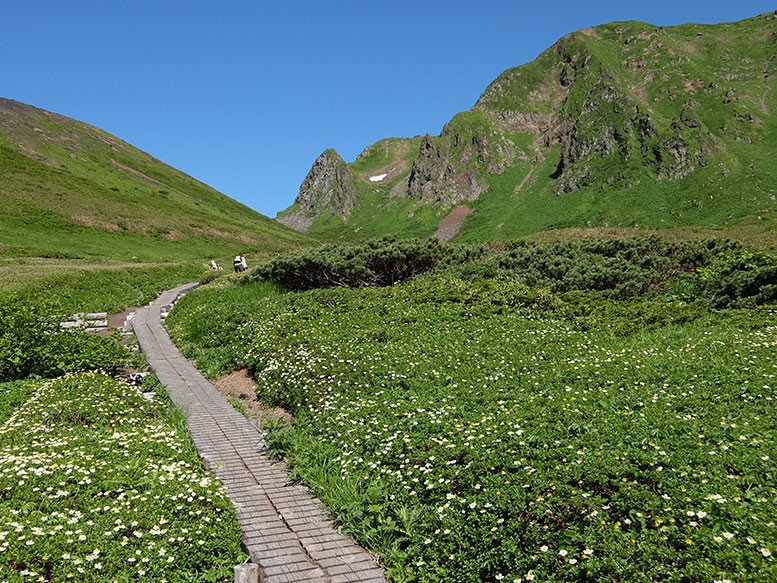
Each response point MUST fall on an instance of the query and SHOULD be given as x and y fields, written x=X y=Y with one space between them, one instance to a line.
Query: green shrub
x=719 y=271
x=740 y=277
x=615 y=268
x=32 y=344
x=379 y=262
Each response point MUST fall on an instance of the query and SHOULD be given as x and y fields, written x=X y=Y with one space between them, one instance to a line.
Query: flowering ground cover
x=98 y=483
x=481 y=431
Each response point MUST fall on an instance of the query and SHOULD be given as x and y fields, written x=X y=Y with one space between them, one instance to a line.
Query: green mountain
x=70 y=190
x=626 y=125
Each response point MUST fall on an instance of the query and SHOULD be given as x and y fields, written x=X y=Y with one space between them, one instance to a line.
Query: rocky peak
x=452 y=168
x=329 y=188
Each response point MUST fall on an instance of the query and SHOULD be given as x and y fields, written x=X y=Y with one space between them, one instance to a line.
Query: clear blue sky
x=245 y=94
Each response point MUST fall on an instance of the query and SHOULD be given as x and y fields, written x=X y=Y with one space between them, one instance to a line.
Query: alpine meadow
x=537 y=347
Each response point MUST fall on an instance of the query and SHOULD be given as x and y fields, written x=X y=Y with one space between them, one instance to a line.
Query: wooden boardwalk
x=286 y=531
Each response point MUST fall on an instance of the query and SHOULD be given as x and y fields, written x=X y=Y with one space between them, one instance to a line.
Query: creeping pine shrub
x=722 y=273
x=617 y=269
x=376 y=263
x=740 y=278
x=719 y=271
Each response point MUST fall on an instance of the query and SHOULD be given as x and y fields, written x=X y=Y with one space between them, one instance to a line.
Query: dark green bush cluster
x=378 y=262
x=31 y=344
x=722 y=273
x=740 y=278
x=617 y=269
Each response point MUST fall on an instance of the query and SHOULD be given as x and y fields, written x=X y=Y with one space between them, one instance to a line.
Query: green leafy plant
x=32 y=344
x=474 y=424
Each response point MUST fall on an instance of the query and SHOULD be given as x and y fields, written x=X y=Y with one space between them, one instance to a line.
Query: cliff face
x=602 y=120
x=328 y=188
x=623 y=108
x=453 y=168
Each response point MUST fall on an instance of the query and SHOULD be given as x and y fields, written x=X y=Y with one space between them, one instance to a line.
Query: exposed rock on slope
x=453 y=168
x=329 y=188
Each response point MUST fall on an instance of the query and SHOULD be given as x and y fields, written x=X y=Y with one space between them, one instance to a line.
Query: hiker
x=238 y=263
x=243 y=262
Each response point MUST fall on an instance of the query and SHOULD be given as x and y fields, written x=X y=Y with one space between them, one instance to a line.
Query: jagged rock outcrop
x=453 y=168
x=603 y=124
x=686 y=146
x=609 y=126
x=329 y=187
x=436 y=178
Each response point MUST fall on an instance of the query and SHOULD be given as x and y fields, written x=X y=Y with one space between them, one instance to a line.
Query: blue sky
x=245 y=94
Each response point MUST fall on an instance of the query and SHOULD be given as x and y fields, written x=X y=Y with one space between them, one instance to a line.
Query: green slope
x=70 y=190
x=704 y=90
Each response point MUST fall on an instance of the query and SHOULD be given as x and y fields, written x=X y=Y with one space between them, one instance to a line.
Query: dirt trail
x=239 y=389
x=449 y=227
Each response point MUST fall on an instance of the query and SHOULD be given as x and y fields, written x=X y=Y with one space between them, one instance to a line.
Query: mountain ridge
x=671 y=121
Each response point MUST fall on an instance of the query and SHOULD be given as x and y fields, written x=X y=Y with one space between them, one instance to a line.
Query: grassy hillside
x=707 y=94
x=626 y=125
x=90 y=224
x=69 y=190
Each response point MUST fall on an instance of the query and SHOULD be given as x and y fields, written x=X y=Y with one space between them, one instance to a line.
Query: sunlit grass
x=87 y=286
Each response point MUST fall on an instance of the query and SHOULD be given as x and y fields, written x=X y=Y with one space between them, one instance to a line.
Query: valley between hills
x=537 y=347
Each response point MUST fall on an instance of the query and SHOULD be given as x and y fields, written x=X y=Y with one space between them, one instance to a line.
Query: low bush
x=721 y=272
x=616 y=269
x=739 y=278
x=378 y=262
x=32 y=344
